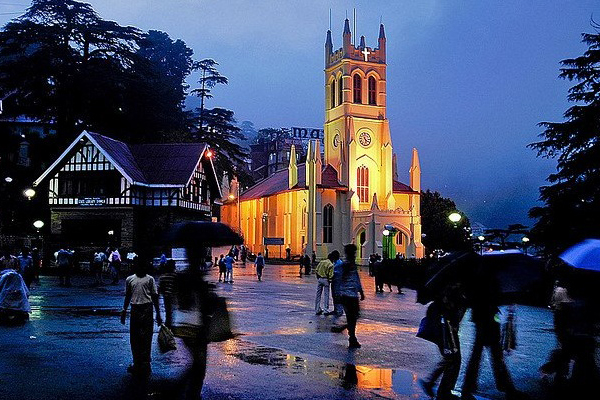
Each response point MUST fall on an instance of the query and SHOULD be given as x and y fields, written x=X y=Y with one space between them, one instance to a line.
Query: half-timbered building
x=103 y=191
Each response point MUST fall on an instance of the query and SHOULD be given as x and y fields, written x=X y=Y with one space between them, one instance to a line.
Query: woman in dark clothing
x=350 y=288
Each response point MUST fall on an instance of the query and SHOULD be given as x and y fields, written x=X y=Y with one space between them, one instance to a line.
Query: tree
x=440 y=232
x=504 y=234
x=572 y=200
x=66 y=64
x=210 y=78
x=221 y=133
x=267 y=135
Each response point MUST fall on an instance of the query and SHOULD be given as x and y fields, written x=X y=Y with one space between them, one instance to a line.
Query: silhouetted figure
x=260 y=265
x=484 y=314
x=448 y=309
x=350 y=288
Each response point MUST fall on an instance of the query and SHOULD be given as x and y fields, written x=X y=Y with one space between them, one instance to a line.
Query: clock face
x=364 y=139
x=336 y=140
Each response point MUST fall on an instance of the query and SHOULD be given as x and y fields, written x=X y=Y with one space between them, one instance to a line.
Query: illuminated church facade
x=346 y=193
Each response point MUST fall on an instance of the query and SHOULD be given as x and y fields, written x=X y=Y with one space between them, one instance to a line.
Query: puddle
x=383 y=381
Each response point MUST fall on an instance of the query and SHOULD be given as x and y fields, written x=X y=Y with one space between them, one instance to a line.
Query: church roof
x=278 y=182
x=400 y=187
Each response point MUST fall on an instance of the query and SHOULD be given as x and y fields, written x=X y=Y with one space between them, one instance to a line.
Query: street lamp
x=481 y=240
x=38 y=225
x=29 y=193
x=8 y=179
x=525 y=241
x=455 y=217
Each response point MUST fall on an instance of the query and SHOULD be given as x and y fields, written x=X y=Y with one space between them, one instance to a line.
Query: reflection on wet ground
x=387 y=382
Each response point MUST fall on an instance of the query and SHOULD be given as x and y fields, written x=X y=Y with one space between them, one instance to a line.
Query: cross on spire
x=366 y=53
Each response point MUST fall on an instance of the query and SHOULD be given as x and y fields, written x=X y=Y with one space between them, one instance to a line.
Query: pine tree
x=572 y=200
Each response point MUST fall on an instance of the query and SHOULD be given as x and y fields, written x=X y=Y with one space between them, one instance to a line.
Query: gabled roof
x=399 y=187
x=278 y=182
x=162 y=165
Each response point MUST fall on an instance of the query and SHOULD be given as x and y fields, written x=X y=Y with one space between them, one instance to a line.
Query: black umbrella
x=452 y=268
x=209 y=234
x=503 y=276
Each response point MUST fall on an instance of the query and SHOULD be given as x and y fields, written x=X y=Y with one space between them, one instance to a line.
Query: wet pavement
x=74 y=347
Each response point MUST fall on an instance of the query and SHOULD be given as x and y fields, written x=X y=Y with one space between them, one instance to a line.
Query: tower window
x=399 y=238
x=341 y=91
x=328 y=224
x=372 y=91
x=362 y=184
x=357 y=88
x=333 y=93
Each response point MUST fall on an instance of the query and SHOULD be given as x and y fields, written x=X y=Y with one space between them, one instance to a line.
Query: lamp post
x=481 y=240
x=455 y=218
x=38 y=225
x=29 y=193
x=525 y=241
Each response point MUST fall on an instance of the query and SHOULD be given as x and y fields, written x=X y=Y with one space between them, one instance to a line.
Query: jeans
x=322 y=289
x=229 y=275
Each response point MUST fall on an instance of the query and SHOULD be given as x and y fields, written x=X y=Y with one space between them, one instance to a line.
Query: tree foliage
x=572 y=199
x=64 y=64
x=440 y=232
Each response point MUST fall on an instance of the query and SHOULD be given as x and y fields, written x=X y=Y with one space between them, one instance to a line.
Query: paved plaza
x=75 y=348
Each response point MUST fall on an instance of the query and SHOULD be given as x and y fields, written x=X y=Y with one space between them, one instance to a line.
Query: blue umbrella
x=584 y=255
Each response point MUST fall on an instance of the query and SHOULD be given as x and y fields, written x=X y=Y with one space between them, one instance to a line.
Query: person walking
x=307 y=265
x=229 y=266
x=64 y=260
x=485 y=316
x=115 y=265
x=167 y=289
x=8 y=261
x=350 y=288
x=98 y=265
x=141 y=293
x=447 y=310
x=324 y=272
x=338 y=308
x=222 y=268
x=26 y=267
x=260 y=264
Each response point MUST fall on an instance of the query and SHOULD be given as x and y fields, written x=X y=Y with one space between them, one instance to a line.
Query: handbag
x=449 y=345
x=219 y=323
x=166 y=339
x=430 y=329
x=509 y=333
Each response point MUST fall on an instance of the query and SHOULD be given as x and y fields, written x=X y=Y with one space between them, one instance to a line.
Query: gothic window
x=341 y=91
x=357 y=88
x=399 y=238
x=372 y=91
x=333 y=93
x=362 y=184
x=304 y=218
x=328 y=224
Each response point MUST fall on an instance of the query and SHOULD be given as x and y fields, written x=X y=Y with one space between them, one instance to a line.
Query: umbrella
x=584 y=255
x=508 y=276
x=211 y=234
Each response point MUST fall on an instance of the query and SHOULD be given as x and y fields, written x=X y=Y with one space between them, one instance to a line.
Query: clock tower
x=357 y=135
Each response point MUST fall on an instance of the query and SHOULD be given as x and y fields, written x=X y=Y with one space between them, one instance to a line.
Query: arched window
x=399 y=238
x=333 y=93
x=362 y=184
x=341 y=91
x=304 y=217
x=328 y=224
x=372 y=91
x=357 y=88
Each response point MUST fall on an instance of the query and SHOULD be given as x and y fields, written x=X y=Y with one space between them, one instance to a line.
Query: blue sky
x=468 y=80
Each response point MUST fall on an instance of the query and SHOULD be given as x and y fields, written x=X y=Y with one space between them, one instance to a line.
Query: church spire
x=362 y=42
x=381 y=32
x=415 y=171
x=292 y=169
x=347 y=45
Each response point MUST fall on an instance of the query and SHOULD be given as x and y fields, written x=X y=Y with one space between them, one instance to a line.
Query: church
x=346 y=192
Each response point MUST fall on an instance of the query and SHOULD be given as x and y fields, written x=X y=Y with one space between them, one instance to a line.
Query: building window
x=399 y=238
x=362 y=184
x=89 y=184
x=372 y=91
x=328 y=224
x=341 y=91
x=304 y=218
x=333 y=93
x=357 y=88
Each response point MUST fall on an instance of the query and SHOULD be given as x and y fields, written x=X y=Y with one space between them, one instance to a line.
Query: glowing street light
x=38 y=225
x=386 y=232
x=525 y=241
x=8 y=179
x=455 y=217
x=29 y=193
x=209 y=153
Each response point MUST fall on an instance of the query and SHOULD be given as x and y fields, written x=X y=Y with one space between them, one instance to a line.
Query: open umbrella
x=509 y=276
x=584 y=255
x=205 y=233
